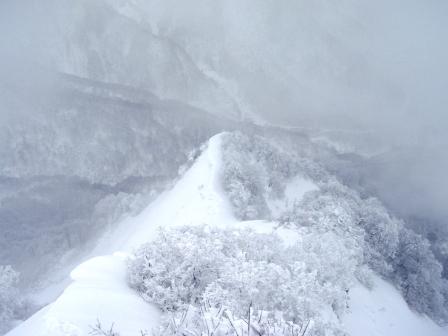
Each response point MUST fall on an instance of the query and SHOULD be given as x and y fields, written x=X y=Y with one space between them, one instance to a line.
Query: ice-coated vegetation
x=207 y=278
x=256 y=171
x=340 y=109
x=386 y=244
x=233 y=270
x=12 y=305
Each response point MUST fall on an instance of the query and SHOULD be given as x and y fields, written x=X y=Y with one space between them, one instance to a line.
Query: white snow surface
x=383 y=312
x=99 y=289
x=294 y=192
x=99 y=292
x=197 y=198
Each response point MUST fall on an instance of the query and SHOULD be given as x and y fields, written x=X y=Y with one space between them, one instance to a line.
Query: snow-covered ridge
x=111 y=145
x=99 y=289
x=99 y=292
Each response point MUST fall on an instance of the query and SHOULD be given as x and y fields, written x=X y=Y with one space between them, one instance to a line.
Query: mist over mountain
x=332 y=119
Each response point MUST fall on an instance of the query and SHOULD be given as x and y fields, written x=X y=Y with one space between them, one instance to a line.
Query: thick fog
x=347 y=70
x=379 y=65
x=376 y=65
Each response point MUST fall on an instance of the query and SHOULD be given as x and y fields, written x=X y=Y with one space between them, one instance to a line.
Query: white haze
x=103 y=103
x=379 y=65
x=352 y=66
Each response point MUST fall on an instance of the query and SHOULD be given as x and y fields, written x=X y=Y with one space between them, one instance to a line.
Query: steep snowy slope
x=100 y=282
x=195 y=199
x=99 y=292
x=382 y=312
x=77 y=157
x=99 y=289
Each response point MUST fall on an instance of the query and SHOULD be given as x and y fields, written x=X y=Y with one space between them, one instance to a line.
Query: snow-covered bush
x=207 y=320
x=10 y=302
x=418 y=273
x=99 y=330
x=253 y=170
x=246 y=188
x=238 y=269
x=381 y=233
x=387 y=246
x=377 y=239
x=363 y=223
x=175 y=269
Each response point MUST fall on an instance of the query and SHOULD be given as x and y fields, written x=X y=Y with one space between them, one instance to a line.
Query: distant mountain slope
x=78 y=156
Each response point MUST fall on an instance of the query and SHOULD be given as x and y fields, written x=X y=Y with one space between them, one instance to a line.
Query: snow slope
x=196 y=199
x=383 y=312
x=99 y=292
x=99 y=289
x=293 y=194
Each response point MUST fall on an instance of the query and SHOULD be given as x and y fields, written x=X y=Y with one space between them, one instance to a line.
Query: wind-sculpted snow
x=98 y=292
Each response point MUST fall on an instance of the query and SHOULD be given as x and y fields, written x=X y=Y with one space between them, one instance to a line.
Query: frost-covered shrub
x=389 y=248
x=246 y=188
x=208 y=320
x=326 y=211
x=381 y=233
x=175 y=269
x=243 y=180
x=10 y=302
x=365 y=223
x=418 y=273
x=377 y=239
x=99 y=330
x=239 y=268
x=255 y=170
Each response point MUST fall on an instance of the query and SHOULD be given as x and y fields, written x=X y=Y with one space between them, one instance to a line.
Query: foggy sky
x=379 y=65
x=358 y=65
